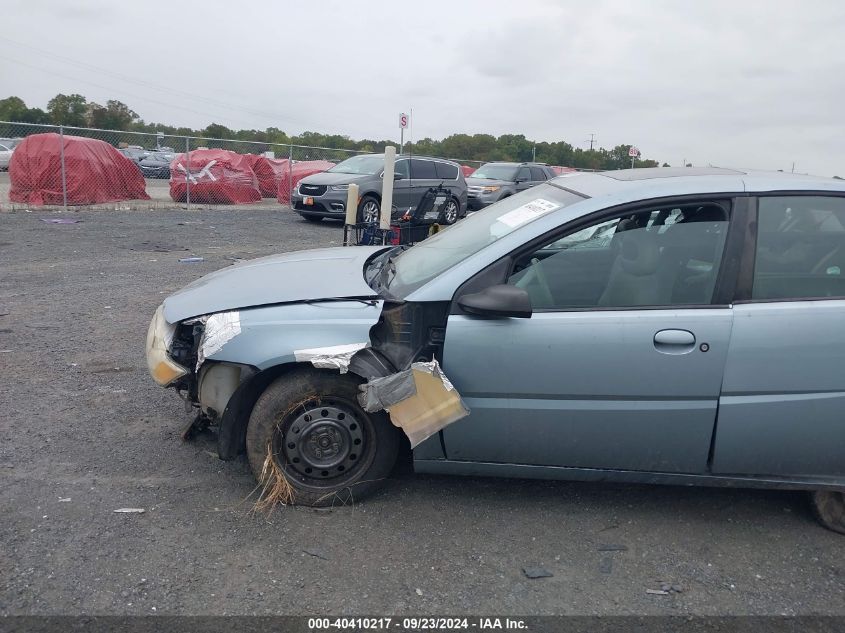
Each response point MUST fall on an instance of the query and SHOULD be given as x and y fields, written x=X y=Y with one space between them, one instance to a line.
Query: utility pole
x=591 y=140
x=534 y=155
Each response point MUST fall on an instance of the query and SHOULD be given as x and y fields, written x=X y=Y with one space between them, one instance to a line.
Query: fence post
x=62 y=158
x=290 y=176
x=187 y=173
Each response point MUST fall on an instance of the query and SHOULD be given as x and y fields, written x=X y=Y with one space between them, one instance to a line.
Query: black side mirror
x=397 y=176
x=501 y=300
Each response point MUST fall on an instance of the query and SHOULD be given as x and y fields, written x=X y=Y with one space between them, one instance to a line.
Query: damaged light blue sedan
x=678 y=326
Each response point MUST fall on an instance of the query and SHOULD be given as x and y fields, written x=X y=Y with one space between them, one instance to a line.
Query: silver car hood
x=299 y=276
x=471 y=181
x=333 y=178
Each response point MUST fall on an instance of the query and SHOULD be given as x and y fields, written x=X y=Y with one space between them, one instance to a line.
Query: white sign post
x=387 y=188
x=633 y=152
x=403 y=123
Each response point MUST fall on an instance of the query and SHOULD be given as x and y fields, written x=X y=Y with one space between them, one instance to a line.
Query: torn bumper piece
x=420 y=400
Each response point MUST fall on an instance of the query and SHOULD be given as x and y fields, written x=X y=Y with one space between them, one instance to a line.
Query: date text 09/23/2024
x=416 y=623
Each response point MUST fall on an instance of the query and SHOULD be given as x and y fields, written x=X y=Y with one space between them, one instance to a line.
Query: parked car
x=134 y=152
x=676 y=326
x=323 y=195
x=156 y=164
x=495 y=181
x=7 y=147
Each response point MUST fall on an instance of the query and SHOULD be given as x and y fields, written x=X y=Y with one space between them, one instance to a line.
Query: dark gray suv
x=493 y=181
x=323 y=195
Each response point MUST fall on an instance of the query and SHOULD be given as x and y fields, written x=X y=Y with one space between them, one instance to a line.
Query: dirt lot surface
x=84 y=431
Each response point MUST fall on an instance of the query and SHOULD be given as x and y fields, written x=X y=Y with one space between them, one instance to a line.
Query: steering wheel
x=535 y=273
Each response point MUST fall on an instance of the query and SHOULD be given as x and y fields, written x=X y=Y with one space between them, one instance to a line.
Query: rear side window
x=800 y=248
x=446 y=171
x=423 y=169
x=537 y=174
x=523 y=174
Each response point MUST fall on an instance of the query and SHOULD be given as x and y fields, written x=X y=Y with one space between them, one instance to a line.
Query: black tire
x=313 y=218
x=451 y=213
x=369 y=205
x=330 y=450
x=829 y=508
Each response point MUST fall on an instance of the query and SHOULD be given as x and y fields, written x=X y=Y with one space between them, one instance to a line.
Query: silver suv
x=494 y=181
x=323 y=195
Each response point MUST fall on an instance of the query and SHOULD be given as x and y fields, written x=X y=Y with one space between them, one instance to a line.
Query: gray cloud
x=750 y=83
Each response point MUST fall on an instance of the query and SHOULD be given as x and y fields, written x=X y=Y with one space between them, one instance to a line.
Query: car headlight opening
x=159 y=337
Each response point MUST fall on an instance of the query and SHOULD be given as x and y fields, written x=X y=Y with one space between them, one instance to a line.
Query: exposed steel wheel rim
x=323 y=443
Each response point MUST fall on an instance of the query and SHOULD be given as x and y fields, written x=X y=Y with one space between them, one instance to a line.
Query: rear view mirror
x=397 y=176
x=502 y=300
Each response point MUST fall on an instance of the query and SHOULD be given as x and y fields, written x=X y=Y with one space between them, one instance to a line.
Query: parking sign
x=633 y=152
x=403 y=120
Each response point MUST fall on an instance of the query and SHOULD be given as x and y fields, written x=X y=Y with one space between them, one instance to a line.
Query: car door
x=423 y=177
x=523 y=178
x=781 y=410
x=537 y=175
x=403 y=187
x=620 y=365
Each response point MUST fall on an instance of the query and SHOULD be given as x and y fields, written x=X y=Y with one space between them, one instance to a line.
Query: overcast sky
x=742 y=83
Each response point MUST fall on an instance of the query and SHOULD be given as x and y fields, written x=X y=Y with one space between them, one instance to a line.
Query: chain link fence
x=49 y=167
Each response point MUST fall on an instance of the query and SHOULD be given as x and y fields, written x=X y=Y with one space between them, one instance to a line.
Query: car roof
x=653 y=182
x=507 y=162
x=398 y=156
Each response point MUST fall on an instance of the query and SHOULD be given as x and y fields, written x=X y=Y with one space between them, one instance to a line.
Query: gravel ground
x=84 y=431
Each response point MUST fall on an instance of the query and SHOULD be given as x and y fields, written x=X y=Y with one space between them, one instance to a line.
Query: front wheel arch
x=231 y=437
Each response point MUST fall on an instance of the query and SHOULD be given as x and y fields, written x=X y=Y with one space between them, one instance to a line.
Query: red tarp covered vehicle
x=216 y=176
x=95 y=172
x=467 y=171
x=300 y=170
x=269 y=172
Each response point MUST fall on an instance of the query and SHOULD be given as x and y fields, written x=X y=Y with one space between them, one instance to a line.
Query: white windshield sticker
x=527 y=212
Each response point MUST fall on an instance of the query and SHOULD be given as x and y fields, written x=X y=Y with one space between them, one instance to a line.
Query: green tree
x=14 y=109
x=215 y=130
x=68 y=110
x=115 y=116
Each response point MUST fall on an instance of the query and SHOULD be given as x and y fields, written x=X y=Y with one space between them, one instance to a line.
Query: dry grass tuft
x=275 y=488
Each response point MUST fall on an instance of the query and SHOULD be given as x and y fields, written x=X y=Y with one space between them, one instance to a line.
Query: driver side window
x=401 y=168
x=655 y=257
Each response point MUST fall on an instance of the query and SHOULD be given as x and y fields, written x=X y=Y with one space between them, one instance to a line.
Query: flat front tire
x=330 y=450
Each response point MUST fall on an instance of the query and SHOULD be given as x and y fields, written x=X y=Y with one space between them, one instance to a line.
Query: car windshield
x=496 y=172
x=413 y=268
x=360 y=165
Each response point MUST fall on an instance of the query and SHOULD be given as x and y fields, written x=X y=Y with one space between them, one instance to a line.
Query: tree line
x=76 y=111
